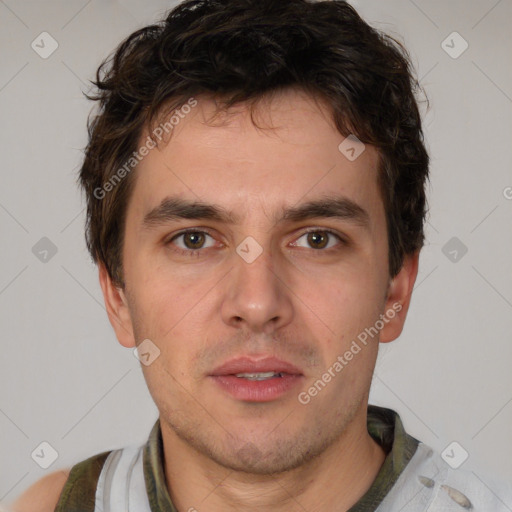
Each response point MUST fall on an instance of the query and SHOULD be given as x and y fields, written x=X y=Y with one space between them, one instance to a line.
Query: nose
x=257 y=297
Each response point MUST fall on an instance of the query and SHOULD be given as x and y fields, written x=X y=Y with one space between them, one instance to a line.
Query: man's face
x=283 y=266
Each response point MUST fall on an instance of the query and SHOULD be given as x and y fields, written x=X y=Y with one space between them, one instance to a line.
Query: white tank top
x=427 y=484
x=121 y=484
x=132 y=479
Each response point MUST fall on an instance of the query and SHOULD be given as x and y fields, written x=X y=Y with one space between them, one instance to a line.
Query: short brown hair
x=241 y=50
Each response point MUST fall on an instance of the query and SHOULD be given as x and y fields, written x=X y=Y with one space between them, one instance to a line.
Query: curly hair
x=239 y=51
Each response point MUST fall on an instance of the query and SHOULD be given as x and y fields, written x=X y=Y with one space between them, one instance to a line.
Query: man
x=255 y=187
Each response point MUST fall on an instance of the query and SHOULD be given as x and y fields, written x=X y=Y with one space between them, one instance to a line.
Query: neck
x=335 y=480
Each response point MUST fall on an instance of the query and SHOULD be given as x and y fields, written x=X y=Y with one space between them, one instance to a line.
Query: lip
x=246 y=364
x=246 y=390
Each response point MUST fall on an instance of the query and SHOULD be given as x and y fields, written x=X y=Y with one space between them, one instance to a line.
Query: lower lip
x=257 y=390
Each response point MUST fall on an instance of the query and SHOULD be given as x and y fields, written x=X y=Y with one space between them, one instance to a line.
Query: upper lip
x=247 y=364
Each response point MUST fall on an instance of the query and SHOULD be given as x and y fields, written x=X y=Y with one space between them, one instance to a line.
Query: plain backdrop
x=64 y=378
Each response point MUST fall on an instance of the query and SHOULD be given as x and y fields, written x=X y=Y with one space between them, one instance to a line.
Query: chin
x=263 y=456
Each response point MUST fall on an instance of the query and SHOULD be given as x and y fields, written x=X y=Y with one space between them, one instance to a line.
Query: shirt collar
x=386 y=428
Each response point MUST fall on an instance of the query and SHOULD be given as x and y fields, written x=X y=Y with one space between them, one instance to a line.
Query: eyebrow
x=337 y=207
x=174 y=208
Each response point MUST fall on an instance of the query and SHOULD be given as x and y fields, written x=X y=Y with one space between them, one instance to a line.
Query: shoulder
x=43 y=495
x=67 y=489
x=435 y=484
x=475 y=489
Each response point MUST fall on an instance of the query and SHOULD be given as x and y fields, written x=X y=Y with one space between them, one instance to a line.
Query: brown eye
x=318 y=239
x=193 y=240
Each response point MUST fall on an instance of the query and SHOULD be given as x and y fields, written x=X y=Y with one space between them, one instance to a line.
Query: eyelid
x=205 y=231
x=184 y=231
x=340 y=237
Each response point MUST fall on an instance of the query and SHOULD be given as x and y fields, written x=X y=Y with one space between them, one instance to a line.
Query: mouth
x=256 y=380
x=259 y=376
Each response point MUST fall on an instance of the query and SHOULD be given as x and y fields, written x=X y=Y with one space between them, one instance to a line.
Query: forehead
x=285 y=151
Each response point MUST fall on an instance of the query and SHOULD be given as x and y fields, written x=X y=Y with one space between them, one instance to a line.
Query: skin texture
x=302 y=304
x=298 y=302
x=43 y=495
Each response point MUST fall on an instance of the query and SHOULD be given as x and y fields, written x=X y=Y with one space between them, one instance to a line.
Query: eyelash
x=188 y=252
x=342 y=241
x=197 y=252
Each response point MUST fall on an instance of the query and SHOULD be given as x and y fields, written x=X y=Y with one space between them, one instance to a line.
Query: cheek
x=156 y=309
x=348 y=302
x=173 y=312
x=160 y=292
x=353 y=313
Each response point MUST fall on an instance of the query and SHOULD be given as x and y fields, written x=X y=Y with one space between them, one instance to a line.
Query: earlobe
x=117 y=309
x=399 y=298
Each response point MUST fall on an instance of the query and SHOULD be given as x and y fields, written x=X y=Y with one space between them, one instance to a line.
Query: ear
x=117 y=309
x=399 y=297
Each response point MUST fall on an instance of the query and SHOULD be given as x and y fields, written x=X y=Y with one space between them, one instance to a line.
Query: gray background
x=65 y=379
